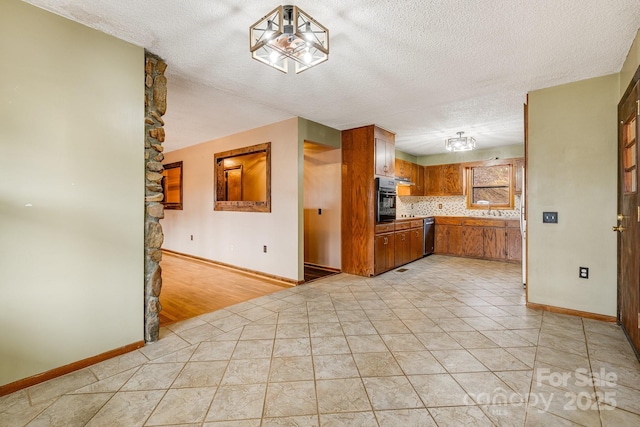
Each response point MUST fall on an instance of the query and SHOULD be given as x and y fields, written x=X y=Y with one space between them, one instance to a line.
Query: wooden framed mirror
x=172 y=186
x=243 y=179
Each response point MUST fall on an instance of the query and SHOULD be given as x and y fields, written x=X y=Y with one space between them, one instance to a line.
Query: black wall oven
x=385 y=199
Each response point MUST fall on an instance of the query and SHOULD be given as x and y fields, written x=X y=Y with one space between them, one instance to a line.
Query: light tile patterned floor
x=448 y=342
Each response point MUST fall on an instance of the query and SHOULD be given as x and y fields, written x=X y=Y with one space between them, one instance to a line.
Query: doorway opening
x=322 y=207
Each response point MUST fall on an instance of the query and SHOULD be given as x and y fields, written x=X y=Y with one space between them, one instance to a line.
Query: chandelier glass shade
x=461 y=143
x=287 y=33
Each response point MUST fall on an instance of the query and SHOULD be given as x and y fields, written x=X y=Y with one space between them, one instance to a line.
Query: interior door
x=628 y=216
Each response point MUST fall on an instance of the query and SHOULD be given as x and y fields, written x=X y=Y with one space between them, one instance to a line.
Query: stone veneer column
x=155 y=102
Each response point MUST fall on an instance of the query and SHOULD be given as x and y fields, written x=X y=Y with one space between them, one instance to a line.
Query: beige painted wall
x=503 y=152
x=237 y=238
x=71 y=136
x=572 y=164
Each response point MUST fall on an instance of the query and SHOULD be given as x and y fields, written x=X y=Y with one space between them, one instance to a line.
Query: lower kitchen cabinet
x=472 y=241
x=417 y=243
x=493 y=239
x=448 y=239
x=494 y=243
x=384 y=252
x=403 y=247
x=514 y=244
x=397 y=243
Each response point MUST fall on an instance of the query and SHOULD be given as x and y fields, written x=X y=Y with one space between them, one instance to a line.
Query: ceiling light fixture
x=289 y=33
x=461 y=143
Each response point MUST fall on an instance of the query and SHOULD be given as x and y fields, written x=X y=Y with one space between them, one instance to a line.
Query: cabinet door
x=472 y=241
x=381 y=166
x=441 y=239
x=403 y=251
x=403 y=169
x=455 y=240
x=452 y=179
x=390 y=158
x=383 y=253
x=417 y=243
x=518 y=175
x=433 y=180
x=514 y=244
x=417 y=177
x=494 y=243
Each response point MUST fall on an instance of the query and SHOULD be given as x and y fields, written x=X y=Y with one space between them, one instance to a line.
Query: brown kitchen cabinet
x=403 y=169
x=417 y=177
x=384 y=252
x=492 y=239
x=448 y=236
x=444 y=180
x=514 y=243
x=414 y=173
x=366 y=151
x=518 y=166
x=417 y=242
x=403 y=247
x=409 y=241
x=473 y=241
x=385 y=153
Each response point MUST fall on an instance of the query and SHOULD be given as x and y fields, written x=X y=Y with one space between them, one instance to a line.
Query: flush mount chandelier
x=289 y=33
x=461 y=143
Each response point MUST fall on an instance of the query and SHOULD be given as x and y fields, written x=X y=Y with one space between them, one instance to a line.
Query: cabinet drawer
x=416 y=223
x=385 y=228
x=448 y=220
x=403 y=225
x=484 y=222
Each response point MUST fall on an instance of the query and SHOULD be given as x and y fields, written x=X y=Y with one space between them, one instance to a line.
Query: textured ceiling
x=423 y=69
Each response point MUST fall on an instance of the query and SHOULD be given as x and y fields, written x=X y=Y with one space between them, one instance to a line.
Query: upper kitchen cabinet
x=417 y=178
x=444 y=180
x=518 y=172
x=411 y=172
x=385 y=152
x=404 y=169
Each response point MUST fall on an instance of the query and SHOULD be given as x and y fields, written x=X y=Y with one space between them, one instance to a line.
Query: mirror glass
x=243 y=179
x=172 y=185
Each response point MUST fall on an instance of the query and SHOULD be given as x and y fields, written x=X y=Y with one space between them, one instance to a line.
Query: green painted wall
x=504 y=152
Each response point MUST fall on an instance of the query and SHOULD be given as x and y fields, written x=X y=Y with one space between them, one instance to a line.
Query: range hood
x=403 y=181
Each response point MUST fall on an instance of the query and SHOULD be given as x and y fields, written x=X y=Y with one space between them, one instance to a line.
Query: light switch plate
x=550 y=217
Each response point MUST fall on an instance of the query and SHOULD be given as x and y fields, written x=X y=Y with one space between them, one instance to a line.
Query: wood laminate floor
x=191 y=288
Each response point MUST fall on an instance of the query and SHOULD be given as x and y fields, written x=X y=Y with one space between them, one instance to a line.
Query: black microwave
x=385 y=199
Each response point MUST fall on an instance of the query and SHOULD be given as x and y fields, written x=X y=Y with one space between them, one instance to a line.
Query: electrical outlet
x=584 y=272
x=439 y=205
x=550 y=217
x=264 y=249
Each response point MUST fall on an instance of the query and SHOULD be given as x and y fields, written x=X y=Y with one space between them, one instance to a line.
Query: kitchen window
x=490 y=185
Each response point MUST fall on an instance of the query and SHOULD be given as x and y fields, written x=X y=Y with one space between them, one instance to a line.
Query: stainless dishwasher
x=429 y=230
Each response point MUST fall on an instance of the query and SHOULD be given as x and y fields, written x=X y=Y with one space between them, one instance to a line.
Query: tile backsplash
x=451 y=206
